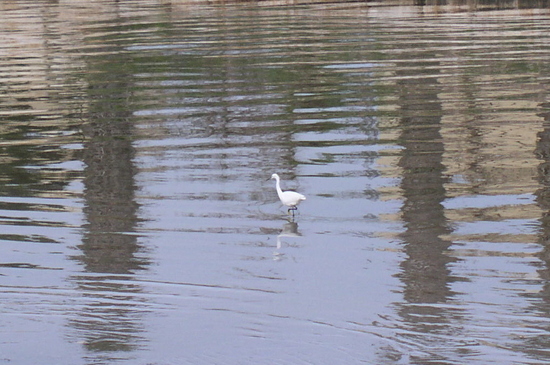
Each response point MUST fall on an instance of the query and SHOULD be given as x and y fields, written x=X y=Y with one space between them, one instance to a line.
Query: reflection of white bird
x=289 y=198
x=290 y=229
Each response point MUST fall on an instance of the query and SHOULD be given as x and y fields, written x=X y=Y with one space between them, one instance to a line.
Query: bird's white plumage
x=288 y=198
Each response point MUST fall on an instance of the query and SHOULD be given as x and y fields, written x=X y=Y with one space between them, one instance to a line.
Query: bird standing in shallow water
x=289 y=198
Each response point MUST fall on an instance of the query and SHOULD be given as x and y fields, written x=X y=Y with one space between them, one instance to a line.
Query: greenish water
x=138 y=224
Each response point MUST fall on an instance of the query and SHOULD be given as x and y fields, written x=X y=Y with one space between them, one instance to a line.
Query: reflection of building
x=36 y=78
x=37 y=65
x=53 y=97
x=489 y=142
x=486 y=133
x=468 y=137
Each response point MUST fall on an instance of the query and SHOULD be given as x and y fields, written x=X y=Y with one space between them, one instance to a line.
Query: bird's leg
x=293 y=208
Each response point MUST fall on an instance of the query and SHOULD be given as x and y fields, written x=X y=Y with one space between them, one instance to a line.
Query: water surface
x=139 y=225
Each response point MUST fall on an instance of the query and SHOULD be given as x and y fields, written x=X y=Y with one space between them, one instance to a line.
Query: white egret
x=289 y=198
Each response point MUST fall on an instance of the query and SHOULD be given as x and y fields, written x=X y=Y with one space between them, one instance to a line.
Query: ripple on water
x=137 y=219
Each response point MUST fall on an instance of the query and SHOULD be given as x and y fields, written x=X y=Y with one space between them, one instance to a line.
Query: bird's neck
x=278 y=187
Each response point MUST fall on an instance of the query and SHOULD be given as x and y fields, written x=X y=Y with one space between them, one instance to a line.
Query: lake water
x=138 y=224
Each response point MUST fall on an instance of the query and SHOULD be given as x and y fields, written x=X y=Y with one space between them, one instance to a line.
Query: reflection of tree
x=16 y=178
x=425 y=274
x=34 y=112
x=109 y=179
x=110 y=321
